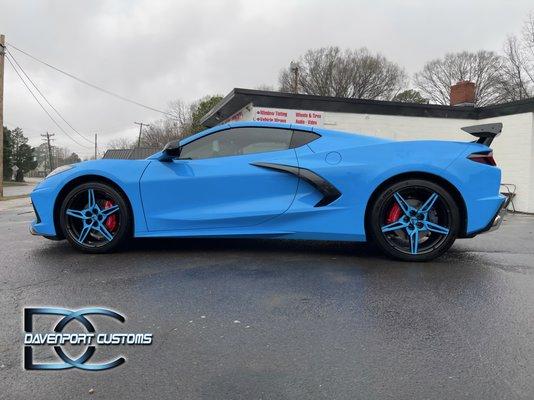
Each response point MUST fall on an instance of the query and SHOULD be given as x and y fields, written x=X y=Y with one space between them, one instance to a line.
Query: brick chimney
x=463 y=94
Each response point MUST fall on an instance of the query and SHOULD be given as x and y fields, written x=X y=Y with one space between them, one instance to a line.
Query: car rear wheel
x=414 y=220
x=94 y=217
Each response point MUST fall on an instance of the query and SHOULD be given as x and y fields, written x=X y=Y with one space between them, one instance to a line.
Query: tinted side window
x=237 y=141
x=300 y=138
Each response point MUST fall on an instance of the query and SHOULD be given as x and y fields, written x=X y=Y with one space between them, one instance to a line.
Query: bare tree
x=160 y=133
x=483 y=68
x=265 y=87
x=518 y=70
x=330 y=71
x=185 y=122
x=515 y=81
x=528 y=44
x=120 y=143
x=165 y=130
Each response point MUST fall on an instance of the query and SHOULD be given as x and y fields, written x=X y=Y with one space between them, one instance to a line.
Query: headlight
x=59 y=170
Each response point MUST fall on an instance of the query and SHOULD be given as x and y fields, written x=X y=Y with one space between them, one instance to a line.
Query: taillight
x=483 y=158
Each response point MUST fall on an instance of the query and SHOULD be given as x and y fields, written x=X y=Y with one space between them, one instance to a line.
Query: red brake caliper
x=394 y=214
x=111 y=221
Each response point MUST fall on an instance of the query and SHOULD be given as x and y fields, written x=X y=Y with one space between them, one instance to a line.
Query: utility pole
x=294 y=67
x=96 y=142
x=2 y=53
x=46 y=138
x=140 y=132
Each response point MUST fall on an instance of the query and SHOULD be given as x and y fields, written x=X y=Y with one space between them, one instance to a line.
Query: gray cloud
x=158 y=51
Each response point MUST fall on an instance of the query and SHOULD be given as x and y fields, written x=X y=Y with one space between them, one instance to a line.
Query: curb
x=20 y=196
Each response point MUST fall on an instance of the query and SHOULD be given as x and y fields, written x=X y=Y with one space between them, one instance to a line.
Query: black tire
x=427 y=226
x=88 y=228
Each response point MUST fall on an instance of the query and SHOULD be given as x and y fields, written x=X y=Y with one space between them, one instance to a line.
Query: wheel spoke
x=436 y=228
x=83 y=233
x=102 y=229
x=427 y=206
x=108 y=211
x=400 y=224
x=92 y=202
x=76 y=214
x=414 y=241
x=402 y=203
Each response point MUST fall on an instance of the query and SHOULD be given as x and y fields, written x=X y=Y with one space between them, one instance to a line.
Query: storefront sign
x=313 y=118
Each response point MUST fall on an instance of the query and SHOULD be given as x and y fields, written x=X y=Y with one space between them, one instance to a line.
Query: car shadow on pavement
x=249 y=245
x=276 y=247
x=221 y=250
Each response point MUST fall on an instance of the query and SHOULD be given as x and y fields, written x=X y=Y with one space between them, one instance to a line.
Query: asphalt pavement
x=260 y=319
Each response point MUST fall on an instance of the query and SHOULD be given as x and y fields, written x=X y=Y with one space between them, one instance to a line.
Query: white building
x=513 y=149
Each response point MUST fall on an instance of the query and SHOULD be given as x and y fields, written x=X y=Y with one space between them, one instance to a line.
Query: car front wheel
x=94 y=217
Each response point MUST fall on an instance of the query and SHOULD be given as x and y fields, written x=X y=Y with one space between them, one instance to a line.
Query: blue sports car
x=411 y=198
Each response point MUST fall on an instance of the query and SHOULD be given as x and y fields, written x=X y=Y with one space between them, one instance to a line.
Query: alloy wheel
x=92 y=218
x=415 y=220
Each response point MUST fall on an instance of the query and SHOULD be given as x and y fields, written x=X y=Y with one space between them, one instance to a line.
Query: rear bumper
x=496 y=221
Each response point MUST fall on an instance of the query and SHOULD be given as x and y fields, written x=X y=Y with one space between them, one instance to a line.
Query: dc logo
x=58 y=338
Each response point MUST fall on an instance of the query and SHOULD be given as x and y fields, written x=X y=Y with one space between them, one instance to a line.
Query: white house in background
x=513 y=149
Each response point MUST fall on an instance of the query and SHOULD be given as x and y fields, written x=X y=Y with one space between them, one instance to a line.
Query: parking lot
x=259 y=319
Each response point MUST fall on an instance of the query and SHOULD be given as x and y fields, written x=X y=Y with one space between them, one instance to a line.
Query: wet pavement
x=259 y=319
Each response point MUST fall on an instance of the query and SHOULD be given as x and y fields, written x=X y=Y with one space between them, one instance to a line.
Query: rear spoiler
x=485 y=133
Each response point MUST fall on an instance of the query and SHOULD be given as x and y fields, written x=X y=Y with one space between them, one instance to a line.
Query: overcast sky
x=157 y=51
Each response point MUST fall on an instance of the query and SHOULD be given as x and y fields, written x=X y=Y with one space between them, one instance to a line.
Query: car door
x=214 y=184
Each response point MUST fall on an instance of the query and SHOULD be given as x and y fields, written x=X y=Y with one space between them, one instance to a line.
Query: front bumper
x=32 y=229
x=37 y=220
x=42 y=199
x=36 y=223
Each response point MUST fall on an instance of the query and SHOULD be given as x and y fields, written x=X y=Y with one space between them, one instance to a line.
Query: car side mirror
x=171 y=151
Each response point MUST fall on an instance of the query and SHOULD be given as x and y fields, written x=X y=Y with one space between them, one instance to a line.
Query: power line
x=45 y=99
x=118 y=96
x=44 y=109
x=40 y=104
